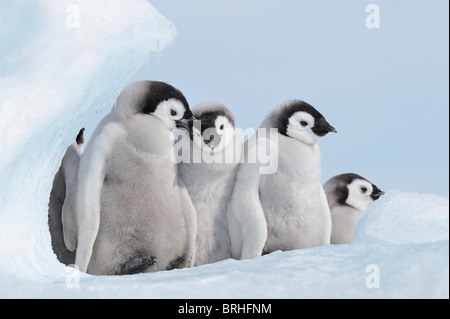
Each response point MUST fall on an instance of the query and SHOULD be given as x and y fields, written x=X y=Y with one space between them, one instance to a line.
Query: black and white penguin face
x=212 y=134
x=160 y=100
x=303 y=122
x=212 y=127
x=171 y=112
x=355 y=191
x=360 y=194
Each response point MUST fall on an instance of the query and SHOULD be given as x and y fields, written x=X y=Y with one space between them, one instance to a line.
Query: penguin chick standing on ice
x=209 y=175
x=62 y=196
x=134 y=214
x=287 y=209
x=348 y=195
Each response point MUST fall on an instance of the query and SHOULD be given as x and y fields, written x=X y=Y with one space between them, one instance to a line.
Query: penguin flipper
x=70 y=227
x=138 y=265
x=246 y=219
x=91 y=176
x=70 y=166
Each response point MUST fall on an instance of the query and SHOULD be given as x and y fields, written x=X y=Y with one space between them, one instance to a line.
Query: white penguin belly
x=297 y=214
x=212 y=242
x=141 y=215
x=210 y=198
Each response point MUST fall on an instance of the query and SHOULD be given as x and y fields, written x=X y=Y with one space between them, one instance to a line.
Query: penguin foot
x=176 y=263
x=138 y=265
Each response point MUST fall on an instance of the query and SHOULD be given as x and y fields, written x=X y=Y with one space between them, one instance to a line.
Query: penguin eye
x=304 y=123
x=173 y=113
x=221 y=127
x=363 y=190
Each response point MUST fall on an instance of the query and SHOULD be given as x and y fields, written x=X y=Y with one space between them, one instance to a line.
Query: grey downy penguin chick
x=209 y=174
x=62 y=196
x=134 y=214
x=348 y=196
x=287 y=209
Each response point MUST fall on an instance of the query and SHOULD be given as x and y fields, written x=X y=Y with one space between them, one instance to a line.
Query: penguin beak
x=376 y=195
x=322 y=128
x=213 y=140
x=183 y=125
x=332 y=129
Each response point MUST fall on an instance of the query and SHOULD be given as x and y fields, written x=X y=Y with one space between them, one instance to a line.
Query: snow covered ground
x=397 y=253
x=69 y=61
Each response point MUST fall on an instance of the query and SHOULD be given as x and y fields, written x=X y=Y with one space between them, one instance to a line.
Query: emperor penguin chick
x=348 y=195
x=286 y=209
x=134 y=214
x=62 y=198
x=209 y=174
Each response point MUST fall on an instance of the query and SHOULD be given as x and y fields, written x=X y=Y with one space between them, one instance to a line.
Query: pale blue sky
x=385 y=90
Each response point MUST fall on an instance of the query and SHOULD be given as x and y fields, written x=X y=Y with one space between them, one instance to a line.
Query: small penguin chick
x=134 y=214
x=348 y=195
x=210 y=180
x=286 y=209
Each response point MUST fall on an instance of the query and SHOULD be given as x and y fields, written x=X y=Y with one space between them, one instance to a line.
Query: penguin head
x=212 y=126
x=300 y=120
x=354 y=190
x=158 y=99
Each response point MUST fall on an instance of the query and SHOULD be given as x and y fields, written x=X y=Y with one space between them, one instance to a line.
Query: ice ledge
x=60 y=61
x=81 y=55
